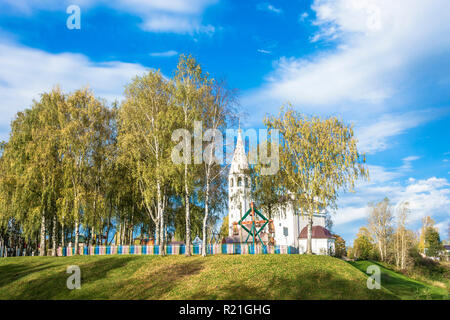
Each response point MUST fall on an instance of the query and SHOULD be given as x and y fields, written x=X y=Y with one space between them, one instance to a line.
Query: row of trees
x=74 y=167
x=386 y=237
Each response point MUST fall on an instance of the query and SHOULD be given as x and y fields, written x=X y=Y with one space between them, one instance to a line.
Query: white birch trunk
x=42 y=240
x=188 y=218
x=309 y=239
x=54 y=237
x=77 y=234
x=205 y=218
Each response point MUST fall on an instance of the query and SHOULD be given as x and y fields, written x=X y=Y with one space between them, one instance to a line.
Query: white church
x=288 y=229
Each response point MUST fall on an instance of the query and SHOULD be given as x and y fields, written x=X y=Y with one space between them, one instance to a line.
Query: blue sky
x=382 y=65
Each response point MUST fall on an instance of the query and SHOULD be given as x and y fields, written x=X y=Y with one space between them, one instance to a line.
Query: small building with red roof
x=322 y=240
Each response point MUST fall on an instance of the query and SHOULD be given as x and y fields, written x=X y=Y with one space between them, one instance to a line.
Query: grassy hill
x=403 y=286
x=213 y=277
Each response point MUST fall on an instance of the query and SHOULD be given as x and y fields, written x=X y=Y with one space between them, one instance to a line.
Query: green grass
x=403 y=286
x=179 y=277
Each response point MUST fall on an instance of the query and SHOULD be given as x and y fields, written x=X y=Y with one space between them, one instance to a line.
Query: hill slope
x=403 y=286
x=179 y=277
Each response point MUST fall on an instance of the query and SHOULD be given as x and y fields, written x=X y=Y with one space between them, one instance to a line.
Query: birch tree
x=318 y=160
x=146 y=121
x=218 y=108
x=85 y=124
x=190 y=86
x=401 y=239
x=380 y=224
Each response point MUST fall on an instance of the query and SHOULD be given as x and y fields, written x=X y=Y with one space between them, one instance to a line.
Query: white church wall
x=286 y=227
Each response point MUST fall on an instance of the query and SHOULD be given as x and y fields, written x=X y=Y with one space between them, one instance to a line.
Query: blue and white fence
x=178 y=249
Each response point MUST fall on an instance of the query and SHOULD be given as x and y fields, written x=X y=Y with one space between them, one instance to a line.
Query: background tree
x=402 y=240
x=363 y=247
x=223 y=233
x=339 y=244
x=427 y=222
x=380 y=222
x=433 y=244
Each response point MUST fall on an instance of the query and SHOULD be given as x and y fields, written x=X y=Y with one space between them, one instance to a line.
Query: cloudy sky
x=382 y=65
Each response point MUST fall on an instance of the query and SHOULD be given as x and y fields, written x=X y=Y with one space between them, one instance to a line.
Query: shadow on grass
x=399 y=284
x=133 y=277
x=314 y=285
x=113 y=277
x=156 y=284
x=15 y=271
x=52 y=283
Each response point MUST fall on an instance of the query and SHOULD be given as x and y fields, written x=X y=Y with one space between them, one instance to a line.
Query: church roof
x=318 y=232
x=240 y=162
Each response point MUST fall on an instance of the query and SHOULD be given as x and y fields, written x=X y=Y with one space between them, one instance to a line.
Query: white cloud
x=444 y=229
x=426 y=197
x=373 y=73
x=176 y=24
x=27 y=72
x=377 y=134
x=174 y=16
x=169 y=53
x=264 y=51
x=379 y=174
x=268 y=7
x=303 y=16
x=377 y=43
x=411 y=158
x=349 y=214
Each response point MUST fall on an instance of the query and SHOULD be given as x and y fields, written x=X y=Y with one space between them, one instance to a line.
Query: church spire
x=239 y=163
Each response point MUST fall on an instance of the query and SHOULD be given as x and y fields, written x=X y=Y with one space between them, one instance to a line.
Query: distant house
x=322 y=241
x=447 y=251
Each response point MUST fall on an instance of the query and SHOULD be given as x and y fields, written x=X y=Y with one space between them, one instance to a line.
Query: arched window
x=239 y=182
x=231 y=182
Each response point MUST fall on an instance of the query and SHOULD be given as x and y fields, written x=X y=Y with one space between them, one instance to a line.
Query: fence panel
x=211 y=249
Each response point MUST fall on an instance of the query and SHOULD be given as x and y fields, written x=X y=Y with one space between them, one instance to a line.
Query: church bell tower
x=239 y=184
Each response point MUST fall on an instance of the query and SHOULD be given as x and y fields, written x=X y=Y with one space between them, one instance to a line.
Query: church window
x=285 y=231
x=239 y=182
x=231 y=182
